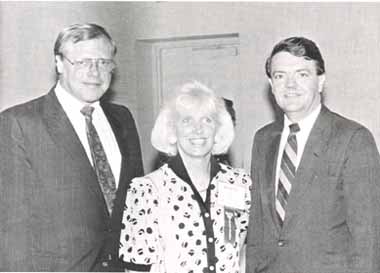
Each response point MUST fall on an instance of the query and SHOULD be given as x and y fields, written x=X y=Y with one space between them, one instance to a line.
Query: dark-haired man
x=315 y=199
x=66 y=161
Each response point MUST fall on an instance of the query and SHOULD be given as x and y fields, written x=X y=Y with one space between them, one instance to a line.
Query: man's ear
x=321 y=82
x=270 y=83
x=59 y=63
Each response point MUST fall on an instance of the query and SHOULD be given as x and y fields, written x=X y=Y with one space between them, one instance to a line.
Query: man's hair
x=81 y=32
x=300 y=47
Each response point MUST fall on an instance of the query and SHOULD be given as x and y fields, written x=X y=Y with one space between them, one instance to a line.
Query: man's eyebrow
x=303 y=69
x=278 y=71
x=297 y=70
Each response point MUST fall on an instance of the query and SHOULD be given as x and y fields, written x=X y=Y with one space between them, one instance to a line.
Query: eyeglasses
x=104 y=65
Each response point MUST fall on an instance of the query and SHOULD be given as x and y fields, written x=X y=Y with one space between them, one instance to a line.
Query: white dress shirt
x=306 y=124
x=72 y=107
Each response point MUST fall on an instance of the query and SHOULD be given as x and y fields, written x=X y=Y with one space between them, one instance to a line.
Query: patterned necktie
x=99 y=159
x=287 y=172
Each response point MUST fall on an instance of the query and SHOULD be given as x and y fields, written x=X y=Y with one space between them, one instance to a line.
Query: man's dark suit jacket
x=332 y=221
x=53 y=215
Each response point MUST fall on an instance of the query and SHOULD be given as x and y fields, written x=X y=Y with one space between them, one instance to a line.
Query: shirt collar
x=307 y=122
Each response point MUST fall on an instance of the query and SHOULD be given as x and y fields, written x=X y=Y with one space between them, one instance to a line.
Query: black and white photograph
x=190 y=137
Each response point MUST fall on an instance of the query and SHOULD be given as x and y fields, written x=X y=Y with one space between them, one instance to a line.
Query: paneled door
x=165 y=64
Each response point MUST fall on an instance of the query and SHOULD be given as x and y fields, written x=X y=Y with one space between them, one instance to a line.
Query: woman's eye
x=208 y=120
x=186 y=120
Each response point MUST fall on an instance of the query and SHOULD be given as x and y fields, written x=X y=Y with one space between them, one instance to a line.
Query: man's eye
x=84 y=62
x=278 y=76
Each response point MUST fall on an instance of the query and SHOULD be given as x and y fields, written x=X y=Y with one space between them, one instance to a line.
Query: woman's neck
x=198 y=170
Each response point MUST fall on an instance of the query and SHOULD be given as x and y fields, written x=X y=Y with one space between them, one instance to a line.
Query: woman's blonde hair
x=163 y=136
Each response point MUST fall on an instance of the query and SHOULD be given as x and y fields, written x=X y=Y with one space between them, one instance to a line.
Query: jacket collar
x=178 y=167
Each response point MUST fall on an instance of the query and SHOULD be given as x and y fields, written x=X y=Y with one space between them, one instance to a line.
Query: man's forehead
x=88 y=45
x=286 y=60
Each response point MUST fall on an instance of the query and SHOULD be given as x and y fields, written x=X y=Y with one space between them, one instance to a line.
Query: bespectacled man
x=66 y=161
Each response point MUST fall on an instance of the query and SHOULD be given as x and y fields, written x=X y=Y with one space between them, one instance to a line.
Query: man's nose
x=94 y=67
x=290 y=81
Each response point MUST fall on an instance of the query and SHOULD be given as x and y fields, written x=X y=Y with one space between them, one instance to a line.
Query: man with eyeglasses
x=66 y=161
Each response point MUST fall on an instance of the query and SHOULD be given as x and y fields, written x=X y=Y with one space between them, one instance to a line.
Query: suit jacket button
x=280 y=243
x=105 y=264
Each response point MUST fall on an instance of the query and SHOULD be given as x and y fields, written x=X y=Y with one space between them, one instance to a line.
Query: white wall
x=27 y=34
x=347 y=33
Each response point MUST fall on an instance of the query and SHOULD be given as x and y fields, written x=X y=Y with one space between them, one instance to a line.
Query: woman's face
x=195 y=129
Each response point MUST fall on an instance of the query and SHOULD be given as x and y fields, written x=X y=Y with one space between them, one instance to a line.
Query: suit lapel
x=63 y=134
x=121 y=134
x=270 y=170
x=314 y=149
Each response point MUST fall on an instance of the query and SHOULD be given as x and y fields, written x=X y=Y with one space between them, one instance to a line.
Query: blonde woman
x=191 y=214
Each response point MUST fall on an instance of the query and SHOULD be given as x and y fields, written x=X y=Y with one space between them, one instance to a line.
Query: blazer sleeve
x=133 y=142
x=255 y=228
x=360 y=176
x=15 y=169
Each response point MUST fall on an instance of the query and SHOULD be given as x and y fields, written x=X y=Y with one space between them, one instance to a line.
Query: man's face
x=295 y=85
x=86 y=84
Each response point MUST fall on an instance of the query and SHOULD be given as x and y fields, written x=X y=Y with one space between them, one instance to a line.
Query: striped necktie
x=287 y=172
x=102 y=167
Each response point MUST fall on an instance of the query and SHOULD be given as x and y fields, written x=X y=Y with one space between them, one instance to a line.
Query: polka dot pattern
x=163 y=224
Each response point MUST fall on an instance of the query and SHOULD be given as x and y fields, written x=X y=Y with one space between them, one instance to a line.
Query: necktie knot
x=87 y=111
x=294 y=128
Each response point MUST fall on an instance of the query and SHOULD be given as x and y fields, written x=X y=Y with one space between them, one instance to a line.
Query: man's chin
x=91 y=99
x=92 y=95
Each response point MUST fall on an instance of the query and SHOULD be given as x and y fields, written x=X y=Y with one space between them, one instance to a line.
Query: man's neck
x=297 y=117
